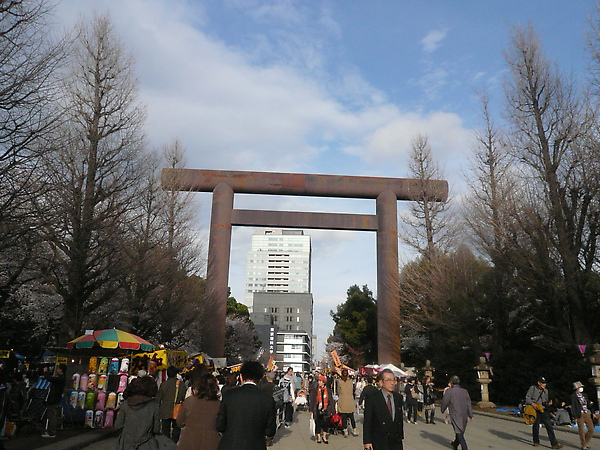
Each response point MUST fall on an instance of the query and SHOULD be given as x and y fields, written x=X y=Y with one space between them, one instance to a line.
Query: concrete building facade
x=278 y=284
x=284 y=325
x=278 y=261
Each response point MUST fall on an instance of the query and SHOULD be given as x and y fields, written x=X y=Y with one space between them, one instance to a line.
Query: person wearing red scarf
x=321 y=409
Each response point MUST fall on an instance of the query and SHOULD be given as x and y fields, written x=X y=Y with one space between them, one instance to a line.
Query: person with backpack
x=288 y=382
x=429 y=398
x=537 y=396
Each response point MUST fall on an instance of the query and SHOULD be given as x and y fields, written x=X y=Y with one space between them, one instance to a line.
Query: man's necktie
x=389 y=405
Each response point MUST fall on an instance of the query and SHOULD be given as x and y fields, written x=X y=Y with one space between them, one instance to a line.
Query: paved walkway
x=485 y=431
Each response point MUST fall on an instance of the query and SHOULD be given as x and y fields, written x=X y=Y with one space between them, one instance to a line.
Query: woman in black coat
x=321 y=407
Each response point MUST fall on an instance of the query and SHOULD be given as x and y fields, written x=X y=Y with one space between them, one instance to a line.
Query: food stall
x=98 y=372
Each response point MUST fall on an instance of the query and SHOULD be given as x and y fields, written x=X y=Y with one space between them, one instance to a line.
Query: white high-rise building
x=279 y=261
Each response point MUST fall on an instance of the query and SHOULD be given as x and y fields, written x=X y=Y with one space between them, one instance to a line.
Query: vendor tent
x=397 y=371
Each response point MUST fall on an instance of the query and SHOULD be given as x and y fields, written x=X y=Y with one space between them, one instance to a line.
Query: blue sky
x=334 y=87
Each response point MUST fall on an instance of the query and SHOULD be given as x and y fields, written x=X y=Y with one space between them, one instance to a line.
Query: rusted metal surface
x=386 y=191
x=388 y=306
x=296 y=219
x=219 y=249
x=202 y=180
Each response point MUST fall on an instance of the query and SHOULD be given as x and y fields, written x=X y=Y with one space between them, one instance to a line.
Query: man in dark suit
x=247 y=414
x=383 y=424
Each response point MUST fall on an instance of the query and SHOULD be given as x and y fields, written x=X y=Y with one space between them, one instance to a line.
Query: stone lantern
x=428 y=370
x=483 y=377
x=595 y=362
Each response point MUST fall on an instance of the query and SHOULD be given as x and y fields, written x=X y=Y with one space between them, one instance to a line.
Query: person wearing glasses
x=383 y=427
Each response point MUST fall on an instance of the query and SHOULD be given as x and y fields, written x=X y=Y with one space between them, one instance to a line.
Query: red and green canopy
x=111 y=338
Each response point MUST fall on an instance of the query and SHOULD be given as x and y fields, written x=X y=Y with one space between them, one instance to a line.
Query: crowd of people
x=210 y=410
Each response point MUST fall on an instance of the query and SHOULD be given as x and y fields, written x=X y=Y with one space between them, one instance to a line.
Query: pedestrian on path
x=383 y=427
x=345 y=403
x=321 y=408
x=198 y=415
x=247 y=414
x=458 y=403
x=581 y=410
x=411 y=393
x=139 y=417
x=170 y=393
x=429 y=398
x=55 y=393
x=537 y=396
x=288 y=382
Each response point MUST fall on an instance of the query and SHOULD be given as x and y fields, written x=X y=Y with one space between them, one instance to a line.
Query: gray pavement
x=485 y=431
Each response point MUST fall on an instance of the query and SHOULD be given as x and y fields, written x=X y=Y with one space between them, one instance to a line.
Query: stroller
x=336 y=425
x=301 y=400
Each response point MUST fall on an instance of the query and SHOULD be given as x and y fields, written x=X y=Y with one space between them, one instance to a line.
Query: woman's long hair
x=207 y=387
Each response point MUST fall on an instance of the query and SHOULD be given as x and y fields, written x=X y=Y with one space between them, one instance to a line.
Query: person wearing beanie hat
x=537 y=396
x=581 y=410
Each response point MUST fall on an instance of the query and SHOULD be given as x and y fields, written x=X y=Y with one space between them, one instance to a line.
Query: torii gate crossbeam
x=386 y=192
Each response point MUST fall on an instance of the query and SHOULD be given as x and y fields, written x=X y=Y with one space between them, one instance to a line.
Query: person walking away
x=537 y=396
x=55 y=392
x=321 y=408
x=288 y=382
x=412 y=394
x=346 y=406
x=458 y=403
x=582 y=412
x=170 y=393
x=429 y=398
x=198 y=415
x=268 y=385
x=358 y=388
x=246 y=414
x=383 y=427
x=369 y=389
x=139 y=417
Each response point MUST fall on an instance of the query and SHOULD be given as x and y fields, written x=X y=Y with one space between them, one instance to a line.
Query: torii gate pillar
x=386 y=192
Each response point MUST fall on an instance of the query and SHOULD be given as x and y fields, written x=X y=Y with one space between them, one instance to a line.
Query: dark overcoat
x=245 y=417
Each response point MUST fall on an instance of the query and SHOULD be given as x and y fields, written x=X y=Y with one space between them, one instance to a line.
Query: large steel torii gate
x=386 y=191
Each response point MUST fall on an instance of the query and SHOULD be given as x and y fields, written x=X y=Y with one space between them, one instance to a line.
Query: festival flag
x=582 y=349
x=336 y=358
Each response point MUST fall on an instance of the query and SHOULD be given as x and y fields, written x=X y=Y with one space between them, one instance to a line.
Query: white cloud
x=391 y=142
x=433 y=40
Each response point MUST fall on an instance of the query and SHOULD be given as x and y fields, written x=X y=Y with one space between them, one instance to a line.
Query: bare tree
x=488 y=212
x=94 y=173
x=182 y=253
x=553 y=137
x=427 y=227
x=29 y=58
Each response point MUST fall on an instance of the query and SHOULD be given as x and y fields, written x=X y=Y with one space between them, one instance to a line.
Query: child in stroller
x=301 y=400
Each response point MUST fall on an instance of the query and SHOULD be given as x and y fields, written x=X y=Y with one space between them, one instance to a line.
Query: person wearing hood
x=139 y=417
x=582 y=412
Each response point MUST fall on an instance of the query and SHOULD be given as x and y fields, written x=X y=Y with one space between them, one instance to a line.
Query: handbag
x=529 y=414
x=414 y=394
x=177 y=406
x=312 y=426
